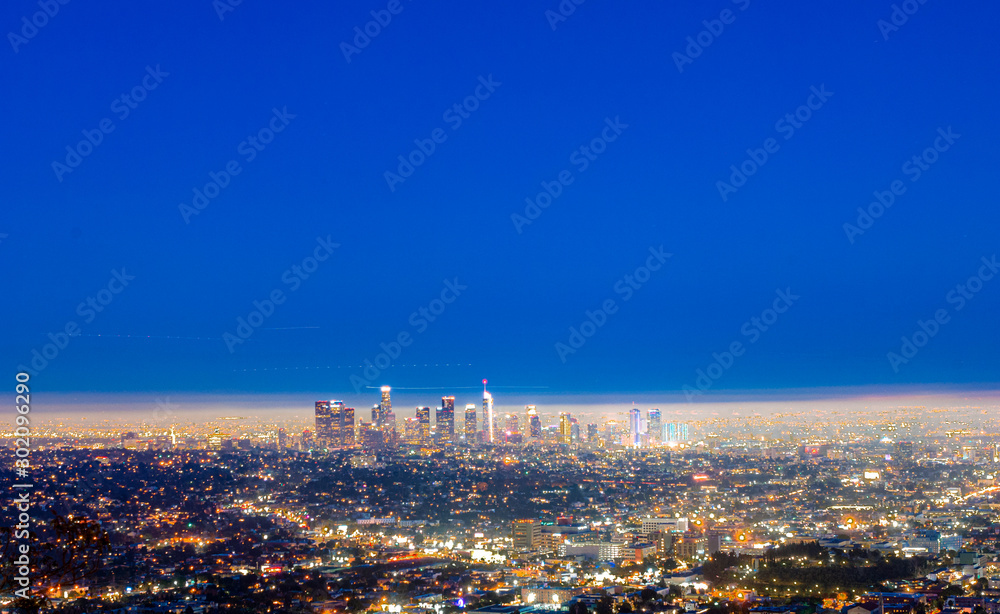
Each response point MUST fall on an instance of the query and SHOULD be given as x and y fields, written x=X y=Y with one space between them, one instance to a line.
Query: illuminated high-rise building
x=470 y=424
x=592 y=433
x=634 y=427
x=347 y=431
x=611 y=432
x=534 y=422
x=336 y=423
x=511 y=424
x=216 y=439
x=446 y=420
x=389 y=424
x=488 y=424
x=324 y=425
x=411 y=432
x=574 y=429
x=385 y=406
x=565 y=429
x=654 y=427
x=424 y=417
x=511 y=430
x=375 y=440
x=676 y=432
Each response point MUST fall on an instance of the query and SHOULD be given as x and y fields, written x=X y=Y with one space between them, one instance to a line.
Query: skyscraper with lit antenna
x=488 y=414
x=385 y=406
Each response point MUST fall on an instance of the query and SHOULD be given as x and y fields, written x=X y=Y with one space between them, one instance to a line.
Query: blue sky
x=209 y=85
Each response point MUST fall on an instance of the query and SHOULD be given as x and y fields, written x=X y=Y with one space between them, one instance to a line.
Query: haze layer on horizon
x=160 y=409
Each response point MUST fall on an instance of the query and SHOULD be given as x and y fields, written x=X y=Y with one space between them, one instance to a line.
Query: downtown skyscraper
x=654 y=427
x=424 y=417
x=343 y=424
x=512 y=429
x=565 y=429
x=471 y=435
x=334 y=424
x=384 y=407
x=534 y=423
x=488 y=421
x=324 y=424
x=445 y=432
x=635 y=427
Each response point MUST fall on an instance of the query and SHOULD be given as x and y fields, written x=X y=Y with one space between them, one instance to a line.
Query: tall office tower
x=375 y=440
x=534 y=422
x=672 y=436
x=411 y=431
x=684 y=433
x=282 y=438
x=347 y=427
x=337 y=423
x=634 y=427
x=324 y=424
x=389 y=423
x=386 y=405
x=655 y=427
x=375 y=411
x=488 y=424
x=470 y=424
x=446 y=420
x=511 y=424
x=565 y=429
x=424 y=416
x=611 y=432
x=592 y=433
x=574 y=429
x=438 y=431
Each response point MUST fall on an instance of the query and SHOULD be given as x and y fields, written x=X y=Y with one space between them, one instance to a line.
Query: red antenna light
x=484 y=382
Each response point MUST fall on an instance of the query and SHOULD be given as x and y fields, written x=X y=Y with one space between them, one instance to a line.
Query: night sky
x=473 y=179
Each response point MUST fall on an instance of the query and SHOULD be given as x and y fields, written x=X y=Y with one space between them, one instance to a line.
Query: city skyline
x=162 y=403
x=332 y=427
